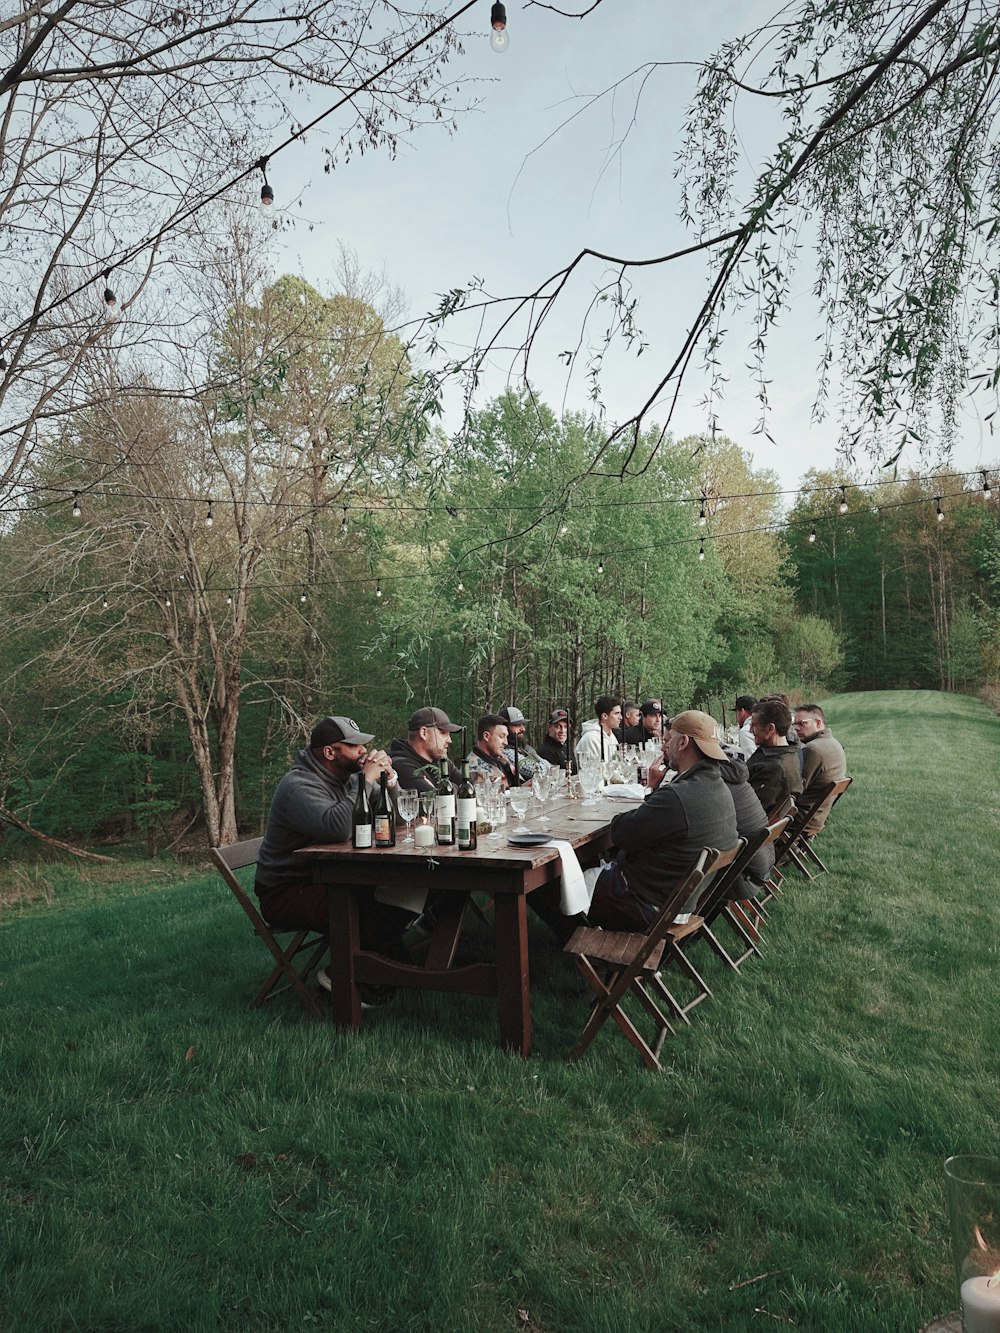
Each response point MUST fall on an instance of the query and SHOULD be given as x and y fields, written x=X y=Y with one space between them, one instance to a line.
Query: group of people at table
x=702 y=793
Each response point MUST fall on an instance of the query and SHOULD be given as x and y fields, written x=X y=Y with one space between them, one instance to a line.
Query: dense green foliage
x=175 y=1160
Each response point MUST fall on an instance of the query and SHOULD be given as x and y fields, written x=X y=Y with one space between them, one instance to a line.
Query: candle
x=423 y=835
x=981 y=1305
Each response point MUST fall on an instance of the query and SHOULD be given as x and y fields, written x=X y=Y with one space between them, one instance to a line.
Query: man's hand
x=378 y=762
x=657 y=771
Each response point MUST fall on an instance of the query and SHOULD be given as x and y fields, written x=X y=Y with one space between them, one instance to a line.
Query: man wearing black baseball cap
x=553 y=748
x=312 y=803
x=651 y=722
x=527 y=757
x=417 y=760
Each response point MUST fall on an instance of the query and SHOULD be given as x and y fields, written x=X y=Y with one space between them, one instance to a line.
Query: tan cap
x=702 y=729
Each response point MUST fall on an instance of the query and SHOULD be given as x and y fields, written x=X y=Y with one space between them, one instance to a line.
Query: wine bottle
x=361 y=822
x=466 y=811
x=385 y=815
x=444 y=808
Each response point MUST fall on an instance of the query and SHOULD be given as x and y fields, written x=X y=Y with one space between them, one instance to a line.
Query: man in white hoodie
x=597 y=737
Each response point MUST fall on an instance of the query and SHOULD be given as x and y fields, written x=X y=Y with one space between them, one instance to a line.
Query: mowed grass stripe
x=415 y=1177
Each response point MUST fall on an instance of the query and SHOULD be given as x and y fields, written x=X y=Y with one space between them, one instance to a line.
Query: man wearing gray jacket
x=312 y=803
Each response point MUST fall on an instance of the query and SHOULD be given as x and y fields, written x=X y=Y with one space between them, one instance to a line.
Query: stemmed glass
x=540 y=785
x=591 y=780
x=408 y=805
x=520 y=799
x=427 y=799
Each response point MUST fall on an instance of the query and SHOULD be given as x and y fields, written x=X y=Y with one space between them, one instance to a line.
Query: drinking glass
x=520 y=799
x=973 y=1185
x=427 y=799
x=541 y=786
x=493 y=808
x=408 y=805
x=591 y=781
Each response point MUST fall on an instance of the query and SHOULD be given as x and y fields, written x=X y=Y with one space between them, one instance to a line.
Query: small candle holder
x=973 y=1185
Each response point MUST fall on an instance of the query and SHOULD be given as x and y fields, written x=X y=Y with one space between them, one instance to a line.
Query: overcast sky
x=517 y=191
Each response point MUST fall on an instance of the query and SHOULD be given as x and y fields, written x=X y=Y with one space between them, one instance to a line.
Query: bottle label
x=466 y=821
x=363 y=835
x=444 y=817
x=383 y=829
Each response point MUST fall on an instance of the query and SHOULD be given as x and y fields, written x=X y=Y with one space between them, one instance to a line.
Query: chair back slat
x=721 y=889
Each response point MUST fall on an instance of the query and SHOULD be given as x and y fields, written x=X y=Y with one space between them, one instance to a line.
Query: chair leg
x=608 y=1003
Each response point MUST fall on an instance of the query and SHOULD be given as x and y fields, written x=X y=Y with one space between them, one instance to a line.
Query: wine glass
x=591 y=780
x=520 y=799
x=427 y=799
x=408 y=805
x=540 y=785
x=493 y=807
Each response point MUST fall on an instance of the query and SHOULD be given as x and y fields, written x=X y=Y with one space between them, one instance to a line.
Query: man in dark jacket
x=823 y=760
x=751 y=820
x=417 y=760
x=314 y=803
x=554 y=749
x=774 y=766
x=660 y=839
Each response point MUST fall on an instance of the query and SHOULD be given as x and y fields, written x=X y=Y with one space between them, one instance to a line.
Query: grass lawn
x=172 y=1159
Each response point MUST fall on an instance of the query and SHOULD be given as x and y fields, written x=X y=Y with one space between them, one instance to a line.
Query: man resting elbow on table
x=659 y=840
x=314 y=803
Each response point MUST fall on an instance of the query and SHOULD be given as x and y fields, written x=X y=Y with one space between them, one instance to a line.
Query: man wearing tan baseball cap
x=659 y=840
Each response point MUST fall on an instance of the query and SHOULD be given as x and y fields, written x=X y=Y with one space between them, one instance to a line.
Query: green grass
x=173 y=1160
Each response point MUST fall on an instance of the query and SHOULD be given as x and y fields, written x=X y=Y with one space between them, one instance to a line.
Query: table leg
x=345 y=941
x=513 y=981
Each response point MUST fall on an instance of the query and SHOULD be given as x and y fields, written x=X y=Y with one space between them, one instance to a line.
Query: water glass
x=408 y=805
x=973 y=1185
x=520 y=799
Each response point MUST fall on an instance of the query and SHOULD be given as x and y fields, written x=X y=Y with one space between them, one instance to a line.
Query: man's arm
x=661 y=816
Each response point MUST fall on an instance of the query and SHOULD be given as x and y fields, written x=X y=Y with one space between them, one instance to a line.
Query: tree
x=884 y=165
x=213 y=523
x=121 y=120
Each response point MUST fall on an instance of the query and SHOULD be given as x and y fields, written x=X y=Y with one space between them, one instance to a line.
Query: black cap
x=651 y=706
x=431 y=717
x=332 y=730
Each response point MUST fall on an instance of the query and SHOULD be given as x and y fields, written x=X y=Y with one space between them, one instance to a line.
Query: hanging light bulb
x=843 y=499
x=229 y=599
x=378 y=589
x=940 y=511
x=77 y=511
x=343 y=523
x=266 y=193
x=987 y=490
x=499 y=37
x=166 y=601
x=702 y=517
x=104 y=602
x=812 y=535
x=209 y=520
x=461 y=586
x=600 y=566
x=563 y=530
x=302 y=597
x=701 y=550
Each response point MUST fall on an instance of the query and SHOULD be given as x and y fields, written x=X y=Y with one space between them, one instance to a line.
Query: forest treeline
x=189 y=580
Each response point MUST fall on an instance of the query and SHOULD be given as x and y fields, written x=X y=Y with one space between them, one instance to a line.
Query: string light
x=209 y=520
x=302 y=596
x=499 y=37
x=843 y=499
x=940 y=511
x=812 y=535
x=343 y=523
x=77 y=511
x=702 y=517
x=563 y=530
x=461 y=586
x=229 y=599
x=104 y=602
x=378 y=590
x=266 y=193
x=987 y=491
x=110 y=300
x=600 y=565
x=166 y=601
x=701 y=550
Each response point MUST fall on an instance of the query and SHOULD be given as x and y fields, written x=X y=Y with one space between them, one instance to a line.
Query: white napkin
x=573 y=894
x=625 y=791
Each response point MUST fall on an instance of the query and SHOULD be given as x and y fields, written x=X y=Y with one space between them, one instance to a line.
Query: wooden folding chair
x=802 y=852
x=237 y=856
x=721 y=905
x=629 y=962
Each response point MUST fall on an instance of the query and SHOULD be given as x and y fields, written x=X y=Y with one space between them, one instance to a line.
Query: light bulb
x=167 y=601
x=302 y=597
x=104 y=603
x=701 y=551
x=812 y=535
x=600 y=566
x=266 y=198
x=229 y=599
x=208 y=517
x=343 y=523
x=940 y=511
x=843 y=500
x=77 y=511
x=461 y=586
x=378 y=589
x=499 y=38
x=702 y=517
x=563 y=530
x=987 y=491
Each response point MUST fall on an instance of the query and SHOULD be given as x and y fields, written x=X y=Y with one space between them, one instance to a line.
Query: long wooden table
x=508 y=874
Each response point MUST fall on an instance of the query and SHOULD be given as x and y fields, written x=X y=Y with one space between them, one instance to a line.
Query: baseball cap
x=557 y=715
x=331 y=730
x=651 y=706
x=431 y=717
x=513 y=716
x=702 y=729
